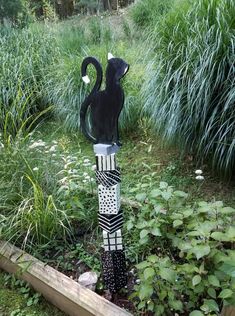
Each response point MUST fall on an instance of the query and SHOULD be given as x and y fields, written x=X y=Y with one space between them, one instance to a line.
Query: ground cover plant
x=179 y=234
x=17 y=299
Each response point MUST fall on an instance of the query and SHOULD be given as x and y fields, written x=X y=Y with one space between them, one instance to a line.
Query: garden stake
x=105 y=107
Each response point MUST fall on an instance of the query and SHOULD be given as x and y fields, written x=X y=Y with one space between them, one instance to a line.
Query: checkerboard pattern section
x=113 y=241
x=111 y=221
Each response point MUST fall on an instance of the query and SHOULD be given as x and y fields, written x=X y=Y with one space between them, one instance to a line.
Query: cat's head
x=117 y=67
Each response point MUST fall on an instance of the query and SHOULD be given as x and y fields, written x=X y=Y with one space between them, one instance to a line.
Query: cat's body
x=105 y=106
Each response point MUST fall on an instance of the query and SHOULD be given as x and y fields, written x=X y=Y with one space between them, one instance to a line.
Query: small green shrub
x=189 y=87
x=148 y=12
x=188 y=252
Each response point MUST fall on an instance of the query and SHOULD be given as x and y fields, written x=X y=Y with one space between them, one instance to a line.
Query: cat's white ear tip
x=110 y=56
x=86 y=79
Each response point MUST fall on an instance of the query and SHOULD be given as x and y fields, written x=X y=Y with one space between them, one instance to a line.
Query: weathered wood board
x=60 y=290
x=228 y=311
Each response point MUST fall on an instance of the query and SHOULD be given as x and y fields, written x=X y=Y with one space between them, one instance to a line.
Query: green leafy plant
x=188 y=251
x=13 y=282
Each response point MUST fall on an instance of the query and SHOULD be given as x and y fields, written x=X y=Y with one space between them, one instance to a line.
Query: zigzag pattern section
x=106 y=163
x=111 y=223
x=108 y=178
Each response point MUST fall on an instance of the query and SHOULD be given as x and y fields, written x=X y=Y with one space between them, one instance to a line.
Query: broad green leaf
x=211 y=291
x=231 y=232
x=187 y=213
x=228 y=268
x=167 y=274
x=166 y=195
x=176 y=305
x=144 y=233
x=177 y=223
x=205 y=209
x=196 y=313
x=152 y=258
x=180 y=194
x=210 y=306
x=225 y=293
x=194 y=233
x=163 y=185
x=141 y=305
x=227 y=210
x=213 y=280
x=219 y=236
x=141 y=197
x=155 y=193
x=156 y=231
x=129 y=225
x=196 y=280
x=146 y=291
x=142 y=265
x=149 y=273
x=144 y=240
x=201 y=251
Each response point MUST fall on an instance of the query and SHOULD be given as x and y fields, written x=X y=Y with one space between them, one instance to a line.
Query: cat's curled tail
x=88 y=100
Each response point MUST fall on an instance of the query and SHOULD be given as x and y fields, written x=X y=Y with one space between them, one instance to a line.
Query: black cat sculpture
x=106 y=105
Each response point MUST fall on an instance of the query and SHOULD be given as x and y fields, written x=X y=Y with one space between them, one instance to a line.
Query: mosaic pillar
x=110 y=216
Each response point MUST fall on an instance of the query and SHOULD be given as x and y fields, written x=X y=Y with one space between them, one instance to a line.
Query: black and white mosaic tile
x=110 y=223
x=108 y=178
x=109 y=199
x=114 y=270
x=112 y=241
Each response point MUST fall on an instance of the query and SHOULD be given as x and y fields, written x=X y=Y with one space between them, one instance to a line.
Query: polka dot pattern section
x=109 y=199
x=108 y=178
x=114 y=270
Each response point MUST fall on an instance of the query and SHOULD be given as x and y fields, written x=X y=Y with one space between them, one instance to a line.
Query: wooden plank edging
x=60 y=290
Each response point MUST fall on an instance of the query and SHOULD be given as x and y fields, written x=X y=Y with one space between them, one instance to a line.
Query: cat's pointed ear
x=110 y=56
x=86 y=79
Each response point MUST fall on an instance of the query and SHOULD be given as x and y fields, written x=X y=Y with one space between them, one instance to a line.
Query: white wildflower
x=39 y=143
x=84 y=181
x=53 y=148
x=85 y=174
x=86 y=160
x=199 y=171
x=200 y=178
x=87 y=164
x=93 y=167
x=35 y=169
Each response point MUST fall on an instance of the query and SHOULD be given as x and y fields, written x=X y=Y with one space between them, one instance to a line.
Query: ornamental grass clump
x=25 y=59
x=190 y=89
